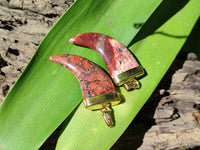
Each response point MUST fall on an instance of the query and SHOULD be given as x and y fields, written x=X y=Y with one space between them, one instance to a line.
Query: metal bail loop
x=107 y=115
x=132 y=84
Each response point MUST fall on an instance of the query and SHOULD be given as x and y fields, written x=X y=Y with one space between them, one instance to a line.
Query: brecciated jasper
x=120 y=63
x=97 y=88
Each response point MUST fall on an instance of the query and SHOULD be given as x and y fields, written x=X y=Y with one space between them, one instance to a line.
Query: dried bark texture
x=175 y=126
x=23 y=24
x=169 y=120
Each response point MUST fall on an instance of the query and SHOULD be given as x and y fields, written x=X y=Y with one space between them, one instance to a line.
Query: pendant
x=97 y=88
x=122 y=66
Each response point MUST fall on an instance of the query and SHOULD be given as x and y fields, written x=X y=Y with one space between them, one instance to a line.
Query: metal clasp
x=131 y=84
x=107 y=115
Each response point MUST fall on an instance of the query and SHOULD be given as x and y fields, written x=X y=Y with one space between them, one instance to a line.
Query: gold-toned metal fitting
x=128 y=75
x=96 y=102
x=131 y=84
x=107 y=115
x=128 y=78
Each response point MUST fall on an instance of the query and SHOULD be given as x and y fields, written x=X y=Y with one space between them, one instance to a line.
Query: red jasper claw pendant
x=97 y=88
x=120 y=63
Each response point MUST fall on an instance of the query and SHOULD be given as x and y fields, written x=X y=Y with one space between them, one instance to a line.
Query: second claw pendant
x=97 y=88
x=120 y=63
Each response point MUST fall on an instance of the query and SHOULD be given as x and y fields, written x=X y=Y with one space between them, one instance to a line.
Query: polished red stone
x=116 y=56
x=93 y=80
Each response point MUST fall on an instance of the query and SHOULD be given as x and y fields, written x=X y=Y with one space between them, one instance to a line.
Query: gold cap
x=128 y=78
x=96 y=102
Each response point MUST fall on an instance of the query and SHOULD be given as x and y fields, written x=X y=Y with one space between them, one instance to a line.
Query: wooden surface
x=169 y=120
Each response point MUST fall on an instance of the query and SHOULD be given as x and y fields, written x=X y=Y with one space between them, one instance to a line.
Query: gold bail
x=107 y=115
x=131 y=84
x=104 y=103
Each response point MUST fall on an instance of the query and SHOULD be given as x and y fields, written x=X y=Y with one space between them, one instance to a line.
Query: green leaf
x=47 y=93
x=155 y=51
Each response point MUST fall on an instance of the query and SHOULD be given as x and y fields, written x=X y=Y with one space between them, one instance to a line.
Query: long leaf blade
x=155 y=52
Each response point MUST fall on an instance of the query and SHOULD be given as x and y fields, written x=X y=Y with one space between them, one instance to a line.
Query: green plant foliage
x=47 y=93
x=156 y=46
